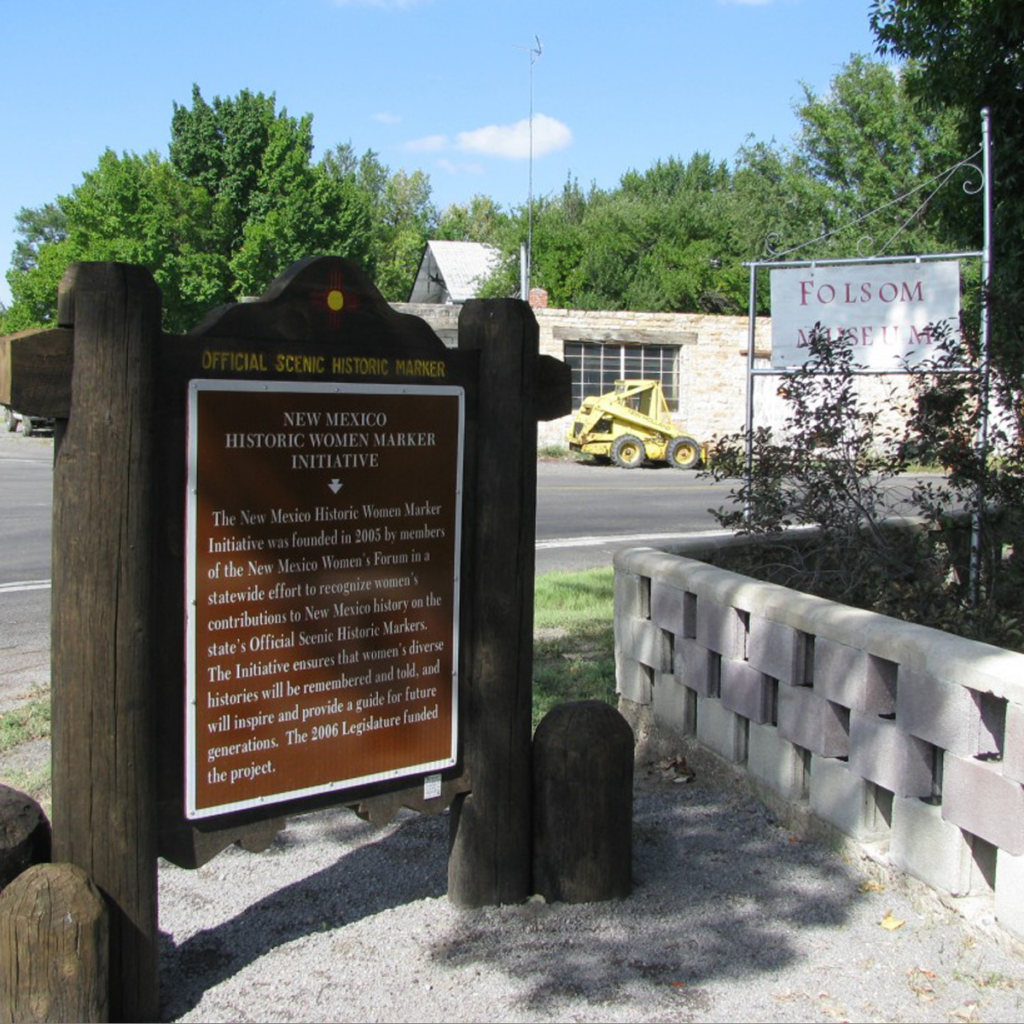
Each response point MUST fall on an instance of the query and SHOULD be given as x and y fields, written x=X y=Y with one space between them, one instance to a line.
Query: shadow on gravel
x=720 y=892
x=406 y=864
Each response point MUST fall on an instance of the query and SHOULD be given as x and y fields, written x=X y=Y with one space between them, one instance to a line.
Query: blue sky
x=440 y=85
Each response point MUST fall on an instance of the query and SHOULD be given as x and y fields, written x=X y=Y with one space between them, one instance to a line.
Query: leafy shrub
x=838 y=467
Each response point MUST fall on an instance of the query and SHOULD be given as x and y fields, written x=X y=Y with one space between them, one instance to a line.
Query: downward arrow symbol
x=335 y=485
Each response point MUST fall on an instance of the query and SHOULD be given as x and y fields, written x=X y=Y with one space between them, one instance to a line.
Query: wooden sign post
x=103 y=620
x=292 y=567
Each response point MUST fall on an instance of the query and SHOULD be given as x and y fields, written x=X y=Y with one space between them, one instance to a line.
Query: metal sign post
x=984 y=365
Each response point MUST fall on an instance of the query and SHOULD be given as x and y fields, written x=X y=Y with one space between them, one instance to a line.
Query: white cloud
x=384 y=117
x=462 y=168
x=428 y=144
x=512 y=141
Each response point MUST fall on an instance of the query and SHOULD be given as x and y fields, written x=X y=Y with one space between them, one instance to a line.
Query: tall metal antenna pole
x=985 y=360
x=534 y=57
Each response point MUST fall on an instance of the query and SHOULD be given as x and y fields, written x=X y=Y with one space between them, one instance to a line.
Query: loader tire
x=628 y=452
x=683 y=453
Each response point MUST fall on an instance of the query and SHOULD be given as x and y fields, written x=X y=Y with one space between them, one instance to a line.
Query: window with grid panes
x=596 y=367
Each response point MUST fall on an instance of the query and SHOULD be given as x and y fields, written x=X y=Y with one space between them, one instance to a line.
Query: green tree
x=965 y=55
x=36 y=266
x=403 y=221
x=862 y=145
x=221 y=146
x=557 y=247
x=37 y=227
x=272 y=206
x=296 y=210
x=660 y=241
x=778 y=204
x=134 y=209
x=479 y=220
x=672 y=238
x=34 y=291
x=340 y=162
x=868 y=141
x=401 y=217
x=236 y=203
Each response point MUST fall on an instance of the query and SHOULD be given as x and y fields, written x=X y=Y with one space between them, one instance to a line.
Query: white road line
x=17 y=588
x=624 y=538
x=542 y=545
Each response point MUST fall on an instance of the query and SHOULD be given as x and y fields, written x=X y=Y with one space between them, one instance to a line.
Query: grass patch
x=559 y=453
x=24 y=724
x=574 y=645
x=553 y=451
x=31 y=721
x=564 y=600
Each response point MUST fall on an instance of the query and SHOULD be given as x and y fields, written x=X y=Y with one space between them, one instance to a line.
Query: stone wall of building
x=712 y=362
x=712 y=358
x=444 y=319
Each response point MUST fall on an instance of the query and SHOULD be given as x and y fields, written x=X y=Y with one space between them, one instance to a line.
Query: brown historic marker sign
x=323 y=539
x=264 y=496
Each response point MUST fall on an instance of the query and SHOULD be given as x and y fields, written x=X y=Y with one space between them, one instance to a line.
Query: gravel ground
x=733 y=918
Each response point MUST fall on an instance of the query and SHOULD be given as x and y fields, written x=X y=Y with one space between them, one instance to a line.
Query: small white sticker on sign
x=431 y=787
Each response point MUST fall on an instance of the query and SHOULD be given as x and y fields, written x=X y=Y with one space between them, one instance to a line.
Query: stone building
x=700 y=359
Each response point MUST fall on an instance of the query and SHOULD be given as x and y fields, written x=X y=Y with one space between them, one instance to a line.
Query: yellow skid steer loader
x=631 y=424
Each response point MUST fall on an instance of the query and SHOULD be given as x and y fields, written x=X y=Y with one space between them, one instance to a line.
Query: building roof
x=451 y=272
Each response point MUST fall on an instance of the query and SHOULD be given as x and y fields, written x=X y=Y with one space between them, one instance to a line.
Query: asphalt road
x=26 y=471
x=579 y=507
x=584 y=514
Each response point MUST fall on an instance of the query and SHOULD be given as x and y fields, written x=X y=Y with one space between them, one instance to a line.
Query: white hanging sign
x=887 y=309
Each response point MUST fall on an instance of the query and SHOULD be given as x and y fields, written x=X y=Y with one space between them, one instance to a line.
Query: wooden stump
x=583 y=804
x=54 y=947
x=24 y=834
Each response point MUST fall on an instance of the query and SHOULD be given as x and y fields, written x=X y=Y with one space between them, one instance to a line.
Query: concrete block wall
x=895 y=734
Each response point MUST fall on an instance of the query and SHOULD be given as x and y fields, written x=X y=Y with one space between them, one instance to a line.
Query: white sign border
x=192 y=813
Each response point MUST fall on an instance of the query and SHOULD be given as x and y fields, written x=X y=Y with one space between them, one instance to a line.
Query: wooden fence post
x=24 y=834
x=583 y=804
x=490 y=856
x=104 y=784
x=53 y=947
